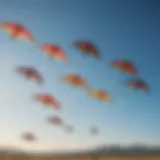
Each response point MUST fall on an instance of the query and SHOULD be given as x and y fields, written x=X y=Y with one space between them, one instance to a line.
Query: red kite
x=55 y=120
x=29 y=136
x=75 y=80
x=100 y=95
x=54 y=51
x=17 y=31
x=87 y=48
x=30 y=73
x=47 y=99
x=138 y=84
x=125 y=66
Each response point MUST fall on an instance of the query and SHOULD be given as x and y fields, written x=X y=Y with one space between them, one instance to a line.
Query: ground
x=18 y=157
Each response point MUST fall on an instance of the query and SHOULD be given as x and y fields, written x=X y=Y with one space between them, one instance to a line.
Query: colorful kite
x=55 y=120
x=100 y=95
x=138 y=84
x=16 y=31
x=54 y=51
x=125 y=66
x=30 y=73
x=48 y=100
x=87 y=48
x=29 y=136
x=75 y=80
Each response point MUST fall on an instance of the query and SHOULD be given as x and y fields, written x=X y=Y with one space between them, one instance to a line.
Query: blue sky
x=121 y=29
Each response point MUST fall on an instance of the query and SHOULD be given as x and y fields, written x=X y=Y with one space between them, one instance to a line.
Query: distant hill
x=131 y=150
x=118 y=150
x=104 y=150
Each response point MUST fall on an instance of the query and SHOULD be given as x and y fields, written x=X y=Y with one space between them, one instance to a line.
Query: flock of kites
x=54 y=51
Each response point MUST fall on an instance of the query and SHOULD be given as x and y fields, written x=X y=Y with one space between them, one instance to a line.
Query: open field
x=18 y=157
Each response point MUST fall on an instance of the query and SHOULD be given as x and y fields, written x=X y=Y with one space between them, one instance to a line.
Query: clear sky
x=121 y=29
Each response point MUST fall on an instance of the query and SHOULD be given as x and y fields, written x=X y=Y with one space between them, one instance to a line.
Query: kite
x=30 y=73
x=100 y=95
x=125 y=66
x=94 y=130
x=138 y=84
x=69 y=128
x=55 y=120
x=5 y=94
x=54 y=51
x=29 y=136
x=75 y=80
x=47 y=100
x=17 y=31
x=87 y=48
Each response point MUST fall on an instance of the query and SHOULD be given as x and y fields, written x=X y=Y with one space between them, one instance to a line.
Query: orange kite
x=125 y=66
x=54 y=51
x=100 y=95
x=48 y=100
x=75 y=80
x=16 y=31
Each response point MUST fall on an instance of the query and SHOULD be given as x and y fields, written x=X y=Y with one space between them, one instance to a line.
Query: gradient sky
x=121 y=29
